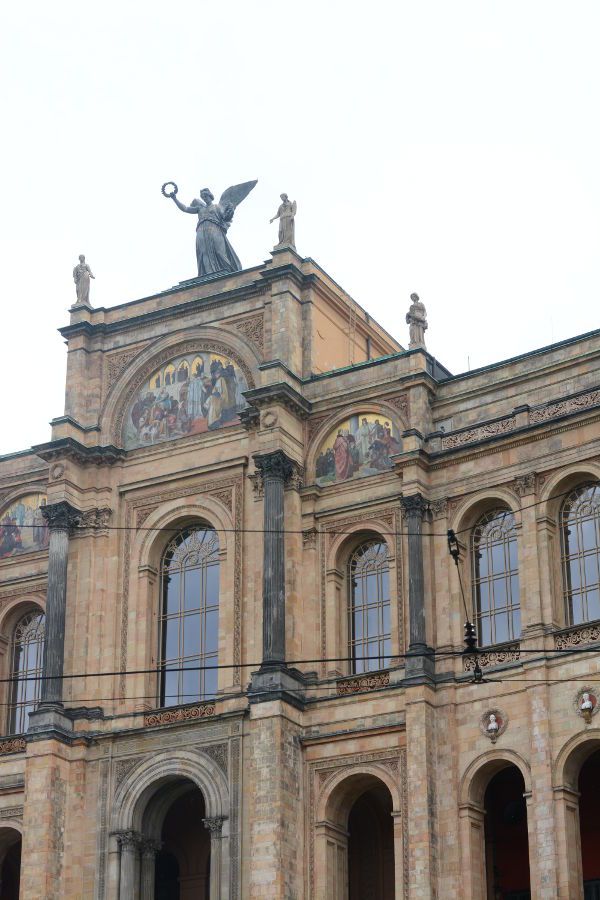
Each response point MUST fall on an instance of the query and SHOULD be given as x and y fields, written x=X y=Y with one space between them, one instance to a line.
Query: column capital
x=61 y=516
x=214 y=825
x=414 y=506
x=129 y=840
x=149 y=847
x=276 y=465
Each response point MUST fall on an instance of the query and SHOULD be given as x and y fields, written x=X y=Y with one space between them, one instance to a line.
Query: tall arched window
x=27 y=653
x=580 y=530
x=496 y=578
x=190 y=616
x=369 y=607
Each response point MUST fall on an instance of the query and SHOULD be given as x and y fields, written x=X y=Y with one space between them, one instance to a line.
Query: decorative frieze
x=181 y=714
x=11 y=812
x=93 y=521
x=480 y=433
x=507 y=653
x=573 y=637
x=370 y=682
x=565 y=407
x=13 y=745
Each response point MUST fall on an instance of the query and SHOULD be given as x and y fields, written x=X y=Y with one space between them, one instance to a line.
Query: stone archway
x=479 y=796
x=145 y=825
x=10 y=863
x=578 y=777
x=358 y=838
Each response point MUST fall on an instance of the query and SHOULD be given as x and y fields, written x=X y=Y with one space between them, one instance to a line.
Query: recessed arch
x=147 y=778
x=481 y=770
x=153 y=359
x=572 y=756
x=369 y=445
x=475 y=505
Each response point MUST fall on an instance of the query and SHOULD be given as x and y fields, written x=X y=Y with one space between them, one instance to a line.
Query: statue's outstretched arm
x=183 y=207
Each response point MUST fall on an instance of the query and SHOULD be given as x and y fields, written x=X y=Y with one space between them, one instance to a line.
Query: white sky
x=448 y=148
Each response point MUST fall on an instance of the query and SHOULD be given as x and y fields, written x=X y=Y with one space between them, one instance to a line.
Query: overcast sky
x=448 y=148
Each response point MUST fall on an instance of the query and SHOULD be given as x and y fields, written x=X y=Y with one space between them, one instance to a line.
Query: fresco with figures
x=23 y=529
x=359 y=446
x=191 y=394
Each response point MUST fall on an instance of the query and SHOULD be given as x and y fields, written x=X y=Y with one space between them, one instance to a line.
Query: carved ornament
x=276 y=465
x=363 y=683
x=214 y=825
x=116 y=363
x=508 y=653
x=480 y=433
x=14 y=745
x=525 y=484
x=586 y=703
x=565 y=407
x=11 y=812
x=583 y=634
x=253 y=329
x=414 y=506
x=61 y=516
x=185 y=714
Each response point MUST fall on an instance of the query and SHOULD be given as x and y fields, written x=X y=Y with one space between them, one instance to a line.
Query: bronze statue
x=81 y=276
x=285 y=214
x=214 y=253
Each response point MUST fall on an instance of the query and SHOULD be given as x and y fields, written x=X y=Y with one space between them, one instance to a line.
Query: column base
x=277 y=682
x=419 y=665
x=50 y=722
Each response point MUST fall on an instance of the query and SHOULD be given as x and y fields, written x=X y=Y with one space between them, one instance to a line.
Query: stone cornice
x=282 y=394
x=167 y=312
x=69 y=448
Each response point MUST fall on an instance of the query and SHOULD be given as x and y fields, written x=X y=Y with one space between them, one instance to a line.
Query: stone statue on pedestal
x=416 y=318
x=81 y=276
x=285 y=214
x=214 y=253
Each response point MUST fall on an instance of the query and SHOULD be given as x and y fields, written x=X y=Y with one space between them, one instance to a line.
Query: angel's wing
x=294 y=207
x=238 y=192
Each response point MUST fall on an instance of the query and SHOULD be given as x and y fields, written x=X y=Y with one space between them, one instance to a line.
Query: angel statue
x=285 y=214
x=213 y=251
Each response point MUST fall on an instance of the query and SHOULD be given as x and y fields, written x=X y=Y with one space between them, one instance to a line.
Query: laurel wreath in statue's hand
x=170 y=193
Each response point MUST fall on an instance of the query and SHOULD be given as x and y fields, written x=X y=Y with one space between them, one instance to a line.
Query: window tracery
x=495 y=574
x=580 y=540
x=369 y=608
x=27 y=651
x=189 y=617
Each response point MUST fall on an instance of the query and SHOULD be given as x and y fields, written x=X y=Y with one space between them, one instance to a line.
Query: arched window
x=580 y=530
x=496 y=578
x=369 y=607
x=190 y=616
x=27 y=653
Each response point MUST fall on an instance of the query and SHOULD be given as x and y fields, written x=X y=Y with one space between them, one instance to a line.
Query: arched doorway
x=371 y=846
x=506 y=838
x=182 y=857
x=182 y=866
x=359 y=839
x=589 y=825
x=10 y=863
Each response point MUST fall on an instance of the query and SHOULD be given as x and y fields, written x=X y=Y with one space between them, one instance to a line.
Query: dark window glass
x=26 y=668
x=580 y=540
x=496 y=578
x=369 y=607
x=190 y=617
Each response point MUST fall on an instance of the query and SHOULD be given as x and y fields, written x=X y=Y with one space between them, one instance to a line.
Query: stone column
x=215 y=826
x=419 y=661
x=129 y=847
x=275 y=469
x=61 y=518
x=149 y=849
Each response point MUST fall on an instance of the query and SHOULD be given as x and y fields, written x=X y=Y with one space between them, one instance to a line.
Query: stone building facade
x=231 y=564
